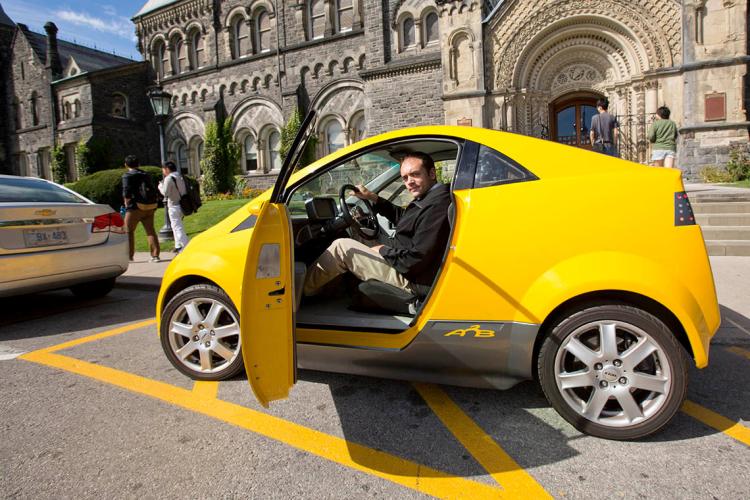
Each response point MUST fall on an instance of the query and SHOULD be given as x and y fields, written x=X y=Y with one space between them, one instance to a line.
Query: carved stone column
x=652 y=97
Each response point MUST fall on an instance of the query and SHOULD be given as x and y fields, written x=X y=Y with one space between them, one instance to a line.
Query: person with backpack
x=604 y=130
x=173 y=188
x=140 y=197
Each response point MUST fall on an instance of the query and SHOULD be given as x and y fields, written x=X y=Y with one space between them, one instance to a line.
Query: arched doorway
x=571 y=119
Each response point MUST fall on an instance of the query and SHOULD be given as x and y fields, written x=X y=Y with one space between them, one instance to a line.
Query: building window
x=34 y=109
x=196 y=50
x=250 y=149
x=274 y=145
x=17 y=113
x=240 y=37
x=182 y=157
x=431 y=30
x=181 y=52
x=66 y=111
x=334 y=137
x=358 y=128
x=345 y=15
x=317 y=16
x=23 y=71
x=76 y=108
x=263 y=32
x=119 y=106
x=407 y=32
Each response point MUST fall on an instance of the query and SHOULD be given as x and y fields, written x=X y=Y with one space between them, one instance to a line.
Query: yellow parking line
x=739 y=351
x=732 y=429
x=516 y=482
x=205 y=389
x=98 y=336
x=370 y=461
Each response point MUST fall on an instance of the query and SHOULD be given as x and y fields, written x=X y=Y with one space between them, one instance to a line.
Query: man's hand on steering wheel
x=365 y=223
x=365 y=194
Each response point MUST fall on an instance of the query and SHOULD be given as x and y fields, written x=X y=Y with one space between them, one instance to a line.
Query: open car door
x=267 y=308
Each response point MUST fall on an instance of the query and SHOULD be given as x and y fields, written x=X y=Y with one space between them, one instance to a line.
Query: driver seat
x=376 y=296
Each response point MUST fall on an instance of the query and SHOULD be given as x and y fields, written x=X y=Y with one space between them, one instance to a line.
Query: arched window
x=431 y=30
x=250 y=152
x=317 y=19
x=174 y=55
x=274 y=145
x=67 y=111
x=182 y=60
x=76 y=108
x=344 y=15
x=119 y=105
x=262 y=32
x=334 y=136
x=196 y=50
x=182 y=157
x=407 y=32
x=358 y=128
x=240 y=37
x=17 y=114
x=34 y=109
x=160 y=59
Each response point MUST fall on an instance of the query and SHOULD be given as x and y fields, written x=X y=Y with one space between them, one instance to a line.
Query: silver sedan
x=52 y=237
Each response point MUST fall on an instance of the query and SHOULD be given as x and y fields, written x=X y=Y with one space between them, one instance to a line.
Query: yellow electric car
x=581 y=270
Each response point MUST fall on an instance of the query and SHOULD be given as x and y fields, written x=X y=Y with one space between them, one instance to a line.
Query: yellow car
x=581 y=270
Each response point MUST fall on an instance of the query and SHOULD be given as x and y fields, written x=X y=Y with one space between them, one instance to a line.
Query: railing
x=633 y=142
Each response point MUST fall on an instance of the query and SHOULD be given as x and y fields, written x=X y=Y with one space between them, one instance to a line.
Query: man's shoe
x=177 y=250
x=155 y=259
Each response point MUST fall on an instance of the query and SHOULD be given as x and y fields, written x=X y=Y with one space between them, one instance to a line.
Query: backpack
x=146 y=196
x=190 y=201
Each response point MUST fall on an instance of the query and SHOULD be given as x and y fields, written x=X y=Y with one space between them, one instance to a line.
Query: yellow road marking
x=98 y=336
x=368 y=460
x=205 y=389
x=516 y=482
x=739 y=351
x=732 y=429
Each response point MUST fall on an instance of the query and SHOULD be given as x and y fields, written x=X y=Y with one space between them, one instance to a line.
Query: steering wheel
x=364 y=224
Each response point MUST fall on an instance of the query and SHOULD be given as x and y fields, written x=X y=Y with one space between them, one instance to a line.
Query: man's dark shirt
x=422 y=231
x=131 y=183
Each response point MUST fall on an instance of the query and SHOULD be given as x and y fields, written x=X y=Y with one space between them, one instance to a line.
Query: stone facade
x=58 y=93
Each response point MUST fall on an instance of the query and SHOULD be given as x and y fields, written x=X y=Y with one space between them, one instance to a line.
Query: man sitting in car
x=411 y=258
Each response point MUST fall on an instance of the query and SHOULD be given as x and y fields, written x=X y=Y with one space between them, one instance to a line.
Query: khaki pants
x=132 y=218
x=346 y=254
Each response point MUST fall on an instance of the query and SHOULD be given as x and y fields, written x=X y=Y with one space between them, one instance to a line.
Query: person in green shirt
x=663 y=136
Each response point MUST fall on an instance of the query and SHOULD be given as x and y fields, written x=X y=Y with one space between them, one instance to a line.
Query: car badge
x=46 y=212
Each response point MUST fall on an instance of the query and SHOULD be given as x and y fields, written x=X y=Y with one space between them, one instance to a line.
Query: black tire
x=657 y=384
x=93 y=289
x=202 y=296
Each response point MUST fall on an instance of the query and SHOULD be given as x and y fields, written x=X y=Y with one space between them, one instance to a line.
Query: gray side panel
x=496 y=362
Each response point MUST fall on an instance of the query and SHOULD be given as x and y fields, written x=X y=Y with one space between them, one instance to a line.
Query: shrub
x=221 y=155
x=712 y=173
x=58 y=166
x=105 y=186
x=738 y=166
x=83 y=158
x=289 y=132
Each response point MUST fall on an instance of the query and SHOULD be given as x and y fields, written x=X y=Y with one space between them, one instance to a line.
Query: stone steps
x=725 y=222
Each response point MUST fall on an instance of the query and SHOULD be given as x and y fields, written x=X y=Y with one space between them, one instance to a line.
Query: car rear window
x=35 y=191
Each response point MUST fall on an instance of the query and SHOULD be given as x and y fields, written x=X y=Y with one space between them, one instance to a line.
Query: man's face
x=165 y=171
x=416 y=178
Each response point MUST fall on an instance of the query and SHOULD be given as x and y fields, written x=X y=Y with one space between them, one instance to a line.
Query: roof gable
x=153 y=5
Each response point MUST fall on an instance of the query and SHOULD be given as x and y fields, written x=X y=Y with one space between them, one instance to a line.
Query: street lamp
x=161 y=101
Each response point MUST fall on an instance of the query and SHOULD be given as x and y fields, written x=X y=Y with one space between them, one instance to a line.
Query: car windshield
x=23 y=190
x=363 y=170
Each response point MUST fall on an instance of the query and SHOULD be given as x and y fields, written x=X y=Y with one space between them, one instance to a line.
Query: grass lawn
x=209 y=214
x=741 y=184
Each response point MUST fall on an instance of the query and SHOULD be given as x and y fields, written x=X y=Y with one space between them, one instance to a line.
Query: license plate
x=45 y=237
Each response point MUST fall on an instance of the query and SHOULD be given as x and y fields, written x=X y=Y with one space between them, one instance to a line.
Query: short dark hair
x=132 y=161
x=170 y=165
x=603 y=103
x=427 y=162
x=663 y=112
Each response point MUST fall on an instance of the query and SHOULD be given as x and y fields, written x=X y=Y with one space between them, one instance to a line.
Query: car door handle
x=280 y=291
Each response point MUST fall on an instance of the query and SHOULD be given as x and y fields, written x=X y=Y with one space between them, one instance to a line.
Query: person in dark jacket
x=409 y=260
x=137 y=209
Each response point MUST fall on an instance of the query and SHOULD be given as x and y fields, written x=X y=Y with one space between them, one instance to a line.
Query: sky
x=103 y=24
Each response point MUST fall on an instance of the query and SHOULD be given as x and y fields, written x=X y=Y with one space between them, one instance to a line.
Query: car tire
x=200 y=333
x=93 y=289
x=613 y=371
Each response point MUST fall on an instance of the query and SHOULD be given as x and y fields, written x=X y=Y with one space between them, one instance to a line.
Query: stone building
x=57 y=92
x=535 y=67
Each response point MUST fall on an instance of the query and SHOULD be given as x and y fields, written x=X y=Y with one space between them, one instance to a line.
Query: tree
x=57 y=163
x=289 y=132
x=221 y=156
x=83 y=158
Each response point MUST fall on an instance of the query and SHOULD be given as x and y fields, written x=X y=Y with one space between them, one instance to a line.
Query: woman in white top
x=173 y=187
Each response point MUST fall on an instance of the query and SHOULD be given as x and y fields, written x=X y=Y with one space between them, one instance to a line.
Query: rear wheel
x=93 y=289
x=613 y=371
x=200 y=333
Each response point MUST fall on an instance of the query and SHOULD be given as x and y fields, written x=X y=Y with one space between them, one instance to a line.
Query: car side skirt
x=492 y=355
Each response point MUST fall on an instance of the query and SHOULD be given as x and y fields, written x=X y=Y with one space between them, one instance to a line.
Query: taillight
x=683 y=212
x=111 y=223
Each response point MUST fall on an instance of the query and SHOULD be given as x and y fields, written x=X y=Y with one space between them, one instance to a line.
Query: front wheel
x=613 y=371
x=200 y=333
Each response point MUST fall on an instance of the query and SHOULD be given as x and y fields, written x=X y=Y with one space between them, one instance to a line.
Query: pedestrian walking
x=173 y=187
x=604 y=130
x=140 y=198
x=663 y=137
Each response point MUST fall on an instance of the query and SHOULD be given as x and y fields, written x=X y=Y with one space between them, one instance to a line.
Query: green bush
x=738 y=166
x=58 y=166
x=221 y=156
x=713 y=174
x=289 y=132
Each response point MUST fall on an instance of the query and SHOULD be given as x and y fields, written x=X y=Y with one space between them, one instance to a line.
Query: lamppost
x=161 y=101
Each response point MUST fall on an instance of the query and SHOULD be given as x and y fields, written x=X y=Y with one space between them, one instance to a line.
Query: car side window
x=494 y=168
